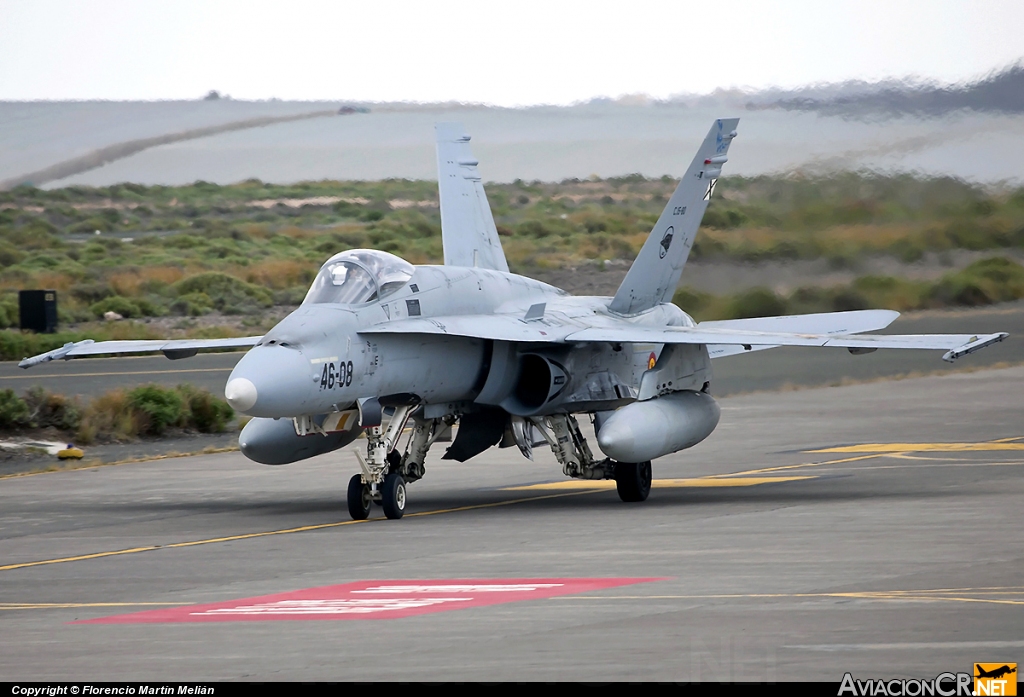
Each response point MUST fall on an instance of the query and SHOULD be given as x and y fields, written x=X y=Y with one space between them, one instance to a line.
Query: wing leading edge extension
x=172 y=348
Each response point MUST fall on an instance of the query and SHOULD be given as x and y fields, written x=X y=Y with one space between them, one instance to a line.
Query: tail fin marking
x=654 y=275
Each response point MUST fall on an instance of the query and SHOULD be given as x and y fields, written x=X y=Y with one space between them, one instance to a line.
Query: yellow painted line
x=923 y=596
x=37 y=376
x=922 y=447
x=287 y=531
x=783 y=468
x=701 y=482
x=49 y=606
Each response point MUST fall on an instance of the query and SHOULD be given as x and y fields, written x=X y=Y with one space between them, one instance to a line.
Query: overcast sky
x=506 y=53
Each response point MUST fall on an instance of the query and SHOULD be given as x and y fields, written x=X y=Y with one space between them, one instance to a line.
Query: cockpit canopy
x=359 y=276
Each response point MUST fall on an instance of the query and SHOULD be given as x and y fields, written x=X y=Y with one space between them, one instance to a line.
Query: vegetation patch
x=984 y=282
x=117 y=415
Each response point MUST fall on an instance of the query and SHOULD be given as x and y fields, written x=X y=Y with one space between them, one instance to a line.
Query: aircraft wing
x=955 y=345
x=172 y=348
x=722 y=337
x=850 y=322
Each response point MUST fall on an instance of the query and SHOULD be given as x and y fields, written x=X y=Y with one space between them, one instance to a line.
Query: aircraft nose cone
x=241 y=394
x=271 y=381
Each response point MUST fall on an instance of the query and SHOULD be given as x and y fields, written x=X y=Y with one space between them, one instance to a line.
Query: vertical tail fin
x=468 y=233
x=654 y=275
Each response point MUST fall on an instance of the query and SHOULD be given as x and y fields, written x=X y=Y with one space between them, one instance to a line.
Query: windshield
x=359 y=276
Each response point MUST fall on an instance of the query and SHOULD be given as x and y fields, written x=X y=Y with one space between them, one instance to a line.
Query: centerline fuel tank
x=643 y=431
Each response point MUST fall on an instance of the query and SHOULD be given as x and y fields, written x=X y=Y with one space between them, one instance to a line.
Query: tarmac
x=872 y=529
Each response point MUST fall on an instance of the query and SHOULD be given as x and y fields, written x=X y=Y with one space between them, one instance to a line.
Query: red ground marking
x=373 y=600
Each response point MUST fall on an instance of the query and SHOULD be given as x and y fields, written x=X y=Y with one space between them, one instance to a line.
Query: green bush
x=122 y=306
x=228 y=294
x=206 y=413
x=160 y=406
x=91 y=292
x=47 y=409
x=691 y=301
x=13 y=410
x=756 y=302
x=984 y=282
x=192 y=304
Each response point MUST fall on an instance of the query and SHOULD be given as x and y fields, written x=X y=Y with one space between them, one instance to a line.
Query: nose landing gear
x=386 y=471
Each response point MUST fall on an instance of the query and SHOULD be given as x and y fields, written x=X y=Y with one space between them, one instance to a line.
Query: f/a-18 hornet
x=384 y=347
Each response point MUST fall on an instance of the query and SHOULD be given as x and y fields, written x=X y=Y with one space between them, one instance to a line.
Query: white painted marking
x=462 y=588
x=332 y=606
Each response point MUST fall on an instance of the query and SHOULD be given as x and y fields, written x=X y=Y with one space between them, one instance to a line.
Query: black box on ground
x=38 y=310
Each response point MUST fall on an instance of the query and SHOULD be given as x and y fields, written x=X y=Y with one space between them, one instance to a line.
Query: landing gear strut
x=562 y=432
x=386 y=470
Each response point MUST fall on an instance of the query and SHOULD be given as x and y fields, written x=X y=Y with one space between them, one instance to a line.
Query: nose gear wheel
x=392 y=496
x=359 y=498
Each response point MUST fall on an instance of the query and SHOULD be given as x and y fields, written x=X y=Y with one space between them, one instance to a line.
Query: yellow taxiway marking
x=783 y=468
x=701 y=482
x=133 y=372
x=929 y=595
x=923 y=594
x=286 y=531
x=50 y=606
x=923 y=447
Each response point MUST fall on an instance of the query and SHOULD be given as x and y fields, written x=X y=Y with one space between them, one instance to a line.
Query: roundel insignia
x=666 y=242
x=651 y=360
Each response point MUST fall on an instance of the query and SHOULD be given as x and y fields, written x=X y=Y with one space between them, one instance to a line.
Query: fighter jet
x=382 y=347
x=995 y=672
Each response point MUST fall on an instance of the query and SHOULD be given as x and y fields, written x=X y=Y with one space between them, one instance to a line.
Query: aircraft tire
x=359 y=498
x=633 y=480
x=392 y=496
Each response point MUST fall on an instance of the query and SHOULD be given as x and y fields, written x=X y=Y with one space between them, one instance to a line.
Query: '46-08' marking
x=336 y=377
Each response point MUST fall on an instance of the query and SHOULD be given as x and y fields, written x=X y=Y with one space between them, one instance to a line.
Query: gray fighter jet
x=382 y=347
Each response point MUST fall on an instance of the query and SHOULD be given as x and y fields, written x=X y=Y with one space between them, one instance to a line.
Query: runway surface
x=872 y=528
x=766 y=370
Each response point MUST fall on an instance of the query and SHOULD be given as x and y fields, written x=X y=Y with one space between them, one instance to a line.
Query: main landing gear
x=562 y=432
x=385 y=470
x=633 y=480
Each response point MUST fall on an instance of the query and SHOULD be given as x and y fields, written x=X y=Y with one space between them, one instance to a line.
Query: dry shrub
x=165 y=274
x=125 y=284
x=298 y=233
x=110 y=414
x=56 y=281
x=277 y=274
